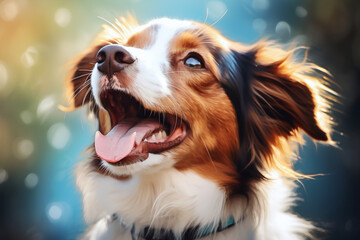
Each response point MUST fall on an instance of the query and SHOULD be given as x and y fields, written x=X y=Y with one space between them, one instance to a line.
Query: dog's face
x=162 y=84
x=178 y=94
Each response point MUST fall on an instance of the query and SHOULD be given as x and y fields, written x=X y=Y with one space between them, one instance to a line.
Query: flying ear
x=79 y=78
x=286 y=96
x=274 y=97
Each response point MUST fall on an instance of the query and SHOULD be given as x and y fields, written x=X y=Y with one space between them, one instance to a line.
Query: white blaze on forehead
x=166 y=31
x=150 y=80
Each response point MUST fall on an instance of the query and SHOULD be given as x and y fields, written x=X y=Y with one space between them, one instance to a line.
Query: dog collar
x=191 y=233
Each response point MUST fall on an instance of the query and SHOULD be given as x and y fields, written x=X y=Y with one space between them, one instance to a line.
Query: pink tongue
x=122 y=139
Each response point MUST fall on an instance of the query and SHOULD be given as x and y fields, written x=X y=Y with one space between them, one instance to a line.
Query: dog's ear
x=274 y=97
x=285 y=96
x=79 y=77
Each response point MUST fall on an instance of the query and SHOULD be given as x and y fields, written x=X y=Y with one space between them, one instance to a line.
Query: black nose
x=113 y=58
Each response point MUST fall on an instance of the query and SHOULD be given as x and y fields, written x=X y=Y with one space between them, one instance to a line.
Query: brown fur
x=201 y=100
x=142 y=39
x=286 y=97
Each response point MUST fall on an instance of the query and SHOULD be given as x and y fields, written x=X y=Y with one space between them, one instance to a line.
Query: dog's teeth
x=155 y=137
x=158 y=135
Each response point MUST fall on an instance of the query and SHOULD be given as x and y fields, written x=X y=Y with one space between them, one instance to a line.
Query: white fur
x=176 y=200
x=95 y=88
x=163 y=199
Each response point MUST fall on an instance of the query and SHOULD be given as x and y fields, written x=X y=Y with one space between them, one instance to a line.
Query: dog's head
x=178 y=94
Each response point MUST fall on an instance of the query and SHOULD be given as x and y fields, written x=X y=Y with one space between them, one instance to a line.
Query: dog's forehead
x=163 y=30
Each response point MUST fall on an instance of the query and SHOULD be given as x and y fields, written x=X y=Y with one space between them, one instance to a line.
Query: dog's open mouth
x=136 y=131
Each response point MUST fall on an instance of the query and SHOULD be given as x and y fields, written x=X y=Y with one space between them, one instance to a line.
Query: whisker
x=220 y=18
x=207 y=14
x=175 y=114
x=83 y=75
x=124 y=28
x=120 y=31
x=87 y=92
x=111 y=24
x=106 y=41
x=207 y=42
x=79 y=91
x=90 y=99
x=175 y=72
x=172 y=100
x=184 y=92
x=82 y=104
x=87 y=81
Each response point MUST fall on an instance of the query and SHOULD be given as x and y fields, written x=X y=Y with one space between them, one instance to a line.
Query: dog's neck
x=175 y=200
x=169 y=199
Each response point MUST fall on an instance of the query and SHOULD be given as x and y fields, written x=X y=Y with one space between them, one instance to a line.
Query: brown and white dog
x=197 y=133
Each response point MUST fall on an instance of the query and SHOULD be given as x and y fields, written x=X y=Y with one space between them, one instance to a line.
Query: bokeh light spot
x=3 y=76
x=259 y=25
x=45 y=105
x=3 y=175
x=55 y=212
x=58 y=135
x=31 y=180
x=9 y=10
x=29 y=57
x=26 y=117
x=301 y=12
x=216 y=10
x=24 y=148
x=62 y=17
x=260 y=4
x=283 y=29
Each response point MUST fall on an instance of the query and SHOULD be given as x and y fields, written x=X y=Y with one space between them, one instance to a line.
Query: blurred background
x=39 y=144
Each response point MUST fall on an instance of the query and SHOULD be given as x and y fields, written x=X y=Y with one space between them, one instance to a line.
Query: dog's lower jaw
x=153 y=164
x=176 y=200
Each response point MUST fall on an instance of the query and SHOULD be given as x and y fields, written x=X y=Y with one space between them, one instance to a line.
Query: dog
x=197 y=133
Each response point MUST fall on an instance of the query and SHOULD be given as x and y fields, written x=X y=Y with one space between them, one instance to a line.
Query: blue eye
x=194 y=62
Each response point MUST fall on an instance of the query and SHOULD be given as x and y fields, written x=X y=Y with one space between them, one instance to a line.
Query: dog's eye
x=194 y=61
